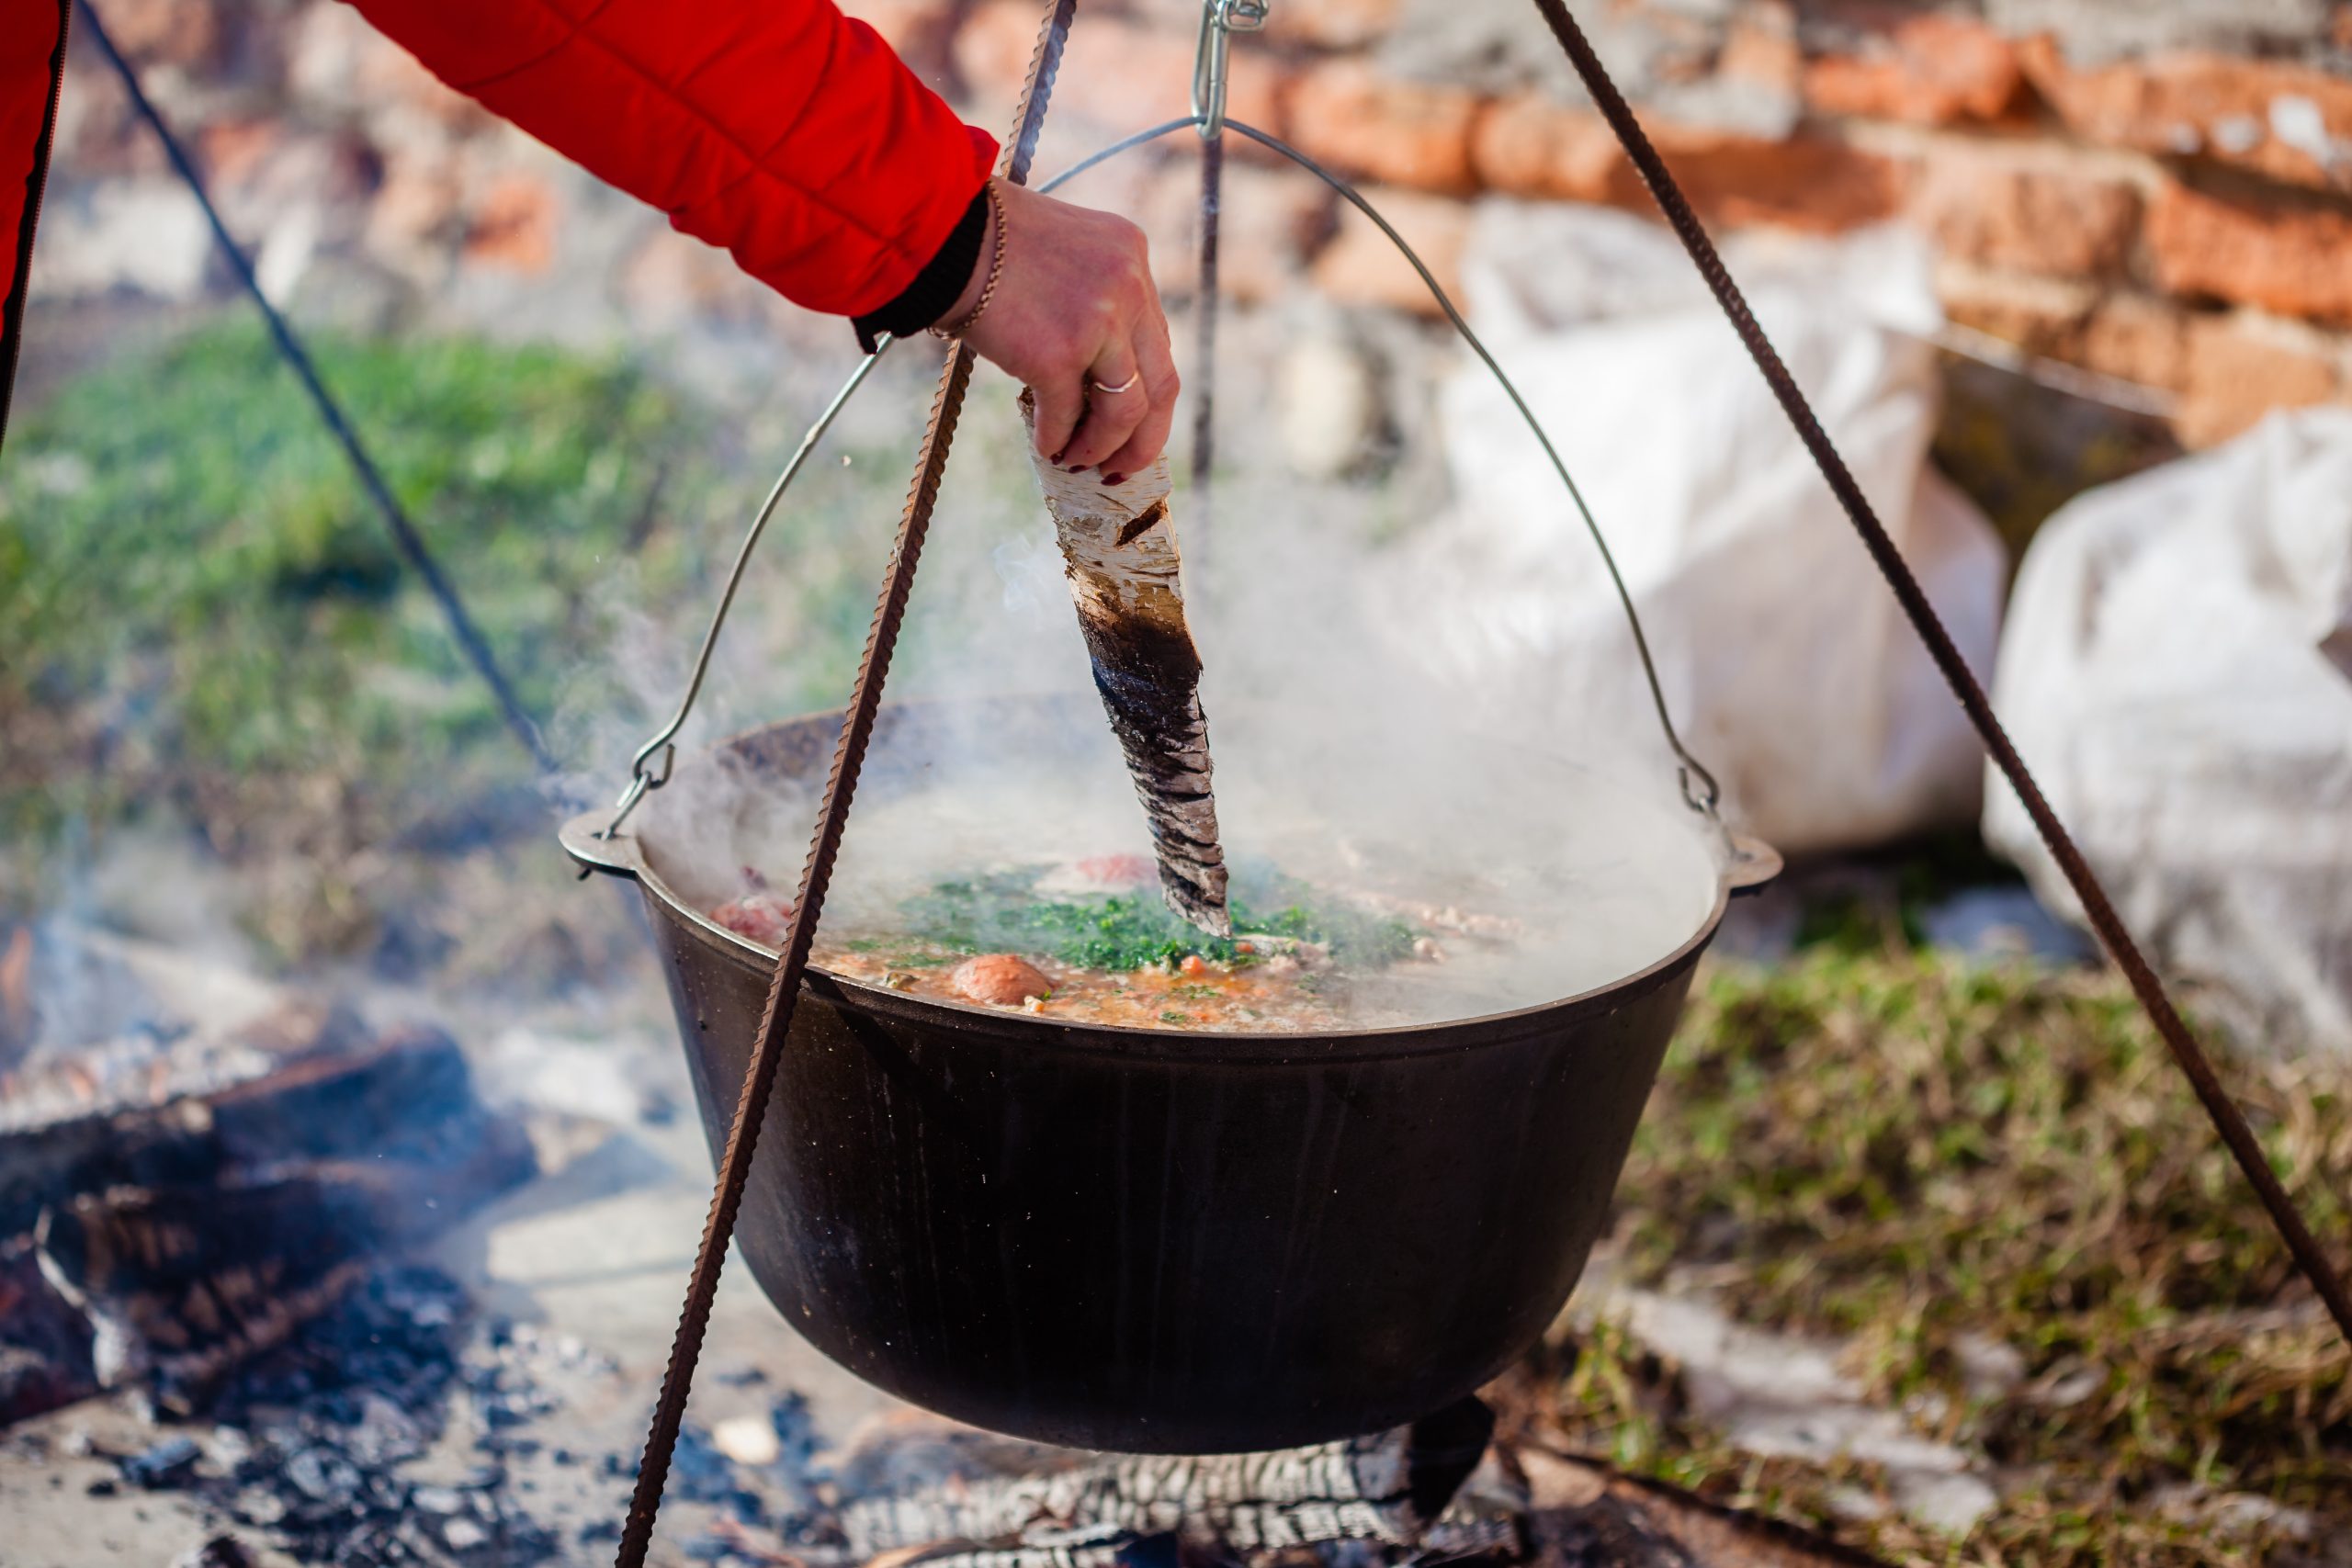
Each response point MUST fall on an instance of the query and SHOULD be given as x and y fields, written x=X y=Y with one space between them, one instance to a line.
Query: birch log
x=1119 y=549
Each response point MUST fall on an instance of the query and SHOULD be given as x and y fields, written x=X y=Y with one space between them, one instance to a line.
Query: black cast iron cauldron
x=1151 y=1241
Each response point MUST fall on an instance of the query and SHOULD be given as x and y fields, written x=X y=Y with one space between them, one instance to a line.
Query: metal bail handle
x=645 y=776
x=1700 y=791
x=1220 y=19
x=641 y=774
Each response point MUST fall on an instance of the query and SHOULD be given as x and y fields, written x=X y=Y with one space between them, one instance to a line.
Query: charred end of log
x=1162 y=734
x=172 y=1244
x=1155 y=663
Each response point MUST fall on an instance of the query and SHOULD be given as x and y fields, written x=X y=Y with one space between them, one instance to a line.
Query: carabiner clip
x=1220 y=19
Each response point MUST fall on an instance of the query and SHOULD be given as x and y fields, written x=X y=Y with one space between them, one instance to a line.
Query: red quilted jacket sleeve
x=32 y=65
x=779 y=131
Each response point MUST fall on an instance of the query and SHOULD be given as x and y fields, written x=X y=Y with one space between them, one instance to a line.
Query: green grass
x=1898 y=1149
x=182 y=544
x=207 y=625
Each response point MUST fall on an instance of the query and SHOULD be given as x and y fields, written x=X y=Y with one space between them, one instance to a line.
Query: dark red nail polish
x=1056 y=458
x=1114 y=479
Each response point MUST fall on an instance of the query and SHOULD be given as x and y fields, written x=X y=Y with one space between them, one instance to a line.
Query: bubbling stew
x=995 y=861
x=1092 y=940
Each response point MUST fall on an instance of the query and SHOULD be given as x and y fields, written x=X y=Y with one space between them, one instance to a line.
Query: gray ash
x=310 y=1439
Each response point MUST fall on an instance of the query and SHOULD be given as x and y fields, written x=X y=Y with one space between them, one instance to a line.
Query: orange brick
x=1116 y=74
x=2238 y=371
x=1349 y=116
x=2292 y=259
x=1759 y=46
x=2276 y=119
x=1332 y=24
x=1532 y=146
x=513 y=225
x=2003 y=214
x=1929 y=70
x=233 y=149
x=1811 y=182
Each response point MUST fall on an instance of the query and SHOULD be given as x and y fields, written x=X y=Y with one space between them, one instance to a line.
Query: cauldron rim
x=624 y=855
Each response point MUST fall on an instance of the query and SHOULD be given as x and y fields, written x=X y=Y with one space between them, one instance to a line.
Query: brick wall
x=2163 y=198
x=2159 y=191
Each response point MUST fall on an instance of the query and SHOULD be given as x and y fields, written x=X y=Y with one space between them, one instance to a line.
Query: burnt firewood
x=408 y=1095
x=170 y=1147
x=181 y=1285
x=1389 y=1488
x=215 y=1229
x=70 y=1127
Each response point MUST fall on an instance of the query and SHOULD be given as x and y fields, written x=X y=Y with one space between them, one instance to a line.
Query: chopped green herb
x=999 y=913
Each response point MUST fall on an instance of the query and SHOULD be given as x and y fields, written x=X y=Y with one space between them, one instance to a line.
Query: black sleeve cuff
x=933 y=291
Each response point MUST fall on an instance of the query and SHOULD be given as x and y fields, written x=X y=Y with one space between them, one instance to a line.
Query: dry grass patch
x=1922 y=1156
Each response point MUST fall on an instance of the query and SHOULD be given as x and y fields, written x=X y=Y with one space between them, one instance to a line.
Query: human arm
x=792 y=137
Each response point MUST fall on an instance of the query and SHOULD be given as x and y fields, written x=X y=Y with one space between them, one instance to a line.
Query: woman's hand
x=1075 y=314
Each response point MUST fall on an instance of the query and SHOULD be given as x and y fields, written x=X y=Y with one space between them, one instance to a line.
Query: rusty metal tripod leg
x=2227 y=1119
x=840 y=784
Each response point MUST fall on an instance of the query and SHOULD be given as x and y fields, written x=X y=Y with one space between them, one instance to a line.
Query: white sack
x=1787 y=664
x=2178 y=673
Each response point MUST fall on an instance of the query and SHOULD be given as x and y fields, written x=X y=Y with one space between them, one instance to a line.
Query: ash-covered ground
x=478 y=1399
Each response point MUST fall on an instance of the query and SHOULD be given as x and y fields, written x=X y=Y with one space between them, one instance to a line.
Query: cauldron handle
x=584 y=840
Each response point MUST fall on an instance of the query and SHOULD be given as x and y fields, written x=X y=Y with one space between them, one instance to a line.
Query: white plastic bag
x=1787 y=665
x=2177 y=673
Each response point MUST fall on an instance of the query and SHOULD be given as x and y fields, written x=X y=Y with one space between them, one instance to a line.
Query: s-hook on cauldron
x=1152 y=1241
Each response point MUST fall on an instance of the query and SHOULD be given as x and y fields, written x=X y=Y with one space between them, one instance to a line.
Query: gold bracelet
x=996 y=268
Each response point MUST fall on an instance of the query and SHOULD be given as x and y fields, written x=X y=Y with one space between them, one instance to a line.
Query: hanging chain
x=840 y=784
x=1204 y=342
x=407 y=538
x=2226 y=1117
x=1220 y=19
x=1212 y=54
